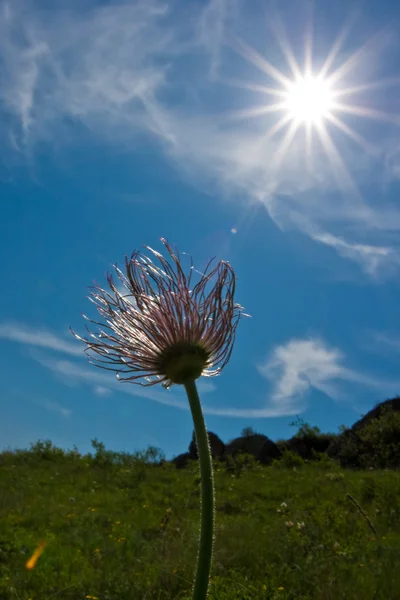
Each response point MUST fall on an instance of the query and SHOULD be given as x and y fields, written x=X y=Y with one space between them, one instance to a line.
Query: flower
x=167 y=330
x=160 y=328
x=289 y=524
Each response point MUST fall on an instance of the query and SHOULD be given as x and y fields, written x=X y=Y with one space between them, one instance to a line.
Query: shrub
x=45 y=450
x=376 y=444
x=240 y=463
x=289 y=460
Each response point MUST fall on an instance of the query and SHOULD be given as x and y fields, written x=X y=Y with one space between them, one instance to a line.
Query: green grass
x=110 y=534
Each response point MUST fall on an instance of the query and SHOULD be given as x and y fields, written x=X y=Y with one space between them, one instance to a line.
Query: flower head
x=289 y=524
x=160 y=327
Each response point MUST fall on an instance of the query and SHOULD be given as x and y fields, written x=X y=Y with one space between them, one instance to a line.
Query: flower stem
x=203 y=569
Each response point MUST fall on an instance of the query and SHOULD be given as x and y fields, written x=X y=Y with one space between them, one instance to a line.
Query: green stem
x=203 y=569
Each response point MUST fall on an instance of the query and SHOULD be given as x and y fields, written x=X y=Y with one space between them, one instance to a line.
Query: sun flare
x=313 y=104
x=309 y=99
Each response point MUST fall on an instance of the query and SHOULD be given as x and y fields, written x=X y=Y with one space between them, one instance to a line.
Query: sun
x=309 y=99
x=313 y=103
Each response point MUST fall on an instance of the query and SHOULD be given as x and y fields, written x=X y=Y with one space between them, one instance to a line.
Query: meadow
x=120 y=526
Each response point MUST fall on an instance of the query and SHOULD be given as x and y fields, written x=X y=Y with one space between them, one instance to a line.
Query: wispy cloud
x=374 y=260
x=301 y=365
x=66 y=368
x=23 y=334
x=115 y=67
x=60 y=61
x=391 y=341
x=55 y=407
x=213 y=22
x=293 y=369
x=100 y=390
x=175 y=399
x=102 y=382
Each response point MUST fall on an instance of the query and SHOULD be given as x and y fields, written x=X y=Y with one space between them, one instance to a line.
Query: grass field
x=125 y=528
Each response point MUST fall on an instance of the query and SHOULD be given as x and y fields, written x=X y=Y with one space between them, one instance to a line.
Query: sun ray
x=311 y=99
x=284 y=145
x=254 y=87
x=254 y=57
x=369 y=113
x=365 y=87
x=337 y=45
x=283 y=42
x=249 y=113
x=308 y=135
x=343 y=176
x=308 y=45
x=354 y=59
x=356 y=137
x=278 y=126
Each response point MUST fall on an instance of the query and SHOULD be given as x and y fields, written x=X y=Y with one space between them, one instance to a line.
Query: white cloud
x=105 y=379
x=102 y=381
x=100 y=390
x=83 y=65
x=212 y=29
x=301 y=365
x=392 y=162
x=23 y=334
x=374 y=260
x=293 y=369
x=389 y=340
x=176 y=399
x=55 y=407
x=115 y=67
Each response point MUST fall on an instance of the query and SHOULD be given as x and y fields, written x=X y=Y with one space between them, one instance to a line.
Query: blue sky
x=124 y=122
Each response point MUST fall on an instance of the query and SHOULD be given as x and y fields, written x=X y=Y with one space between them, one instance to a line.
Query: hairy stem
x=203 y=569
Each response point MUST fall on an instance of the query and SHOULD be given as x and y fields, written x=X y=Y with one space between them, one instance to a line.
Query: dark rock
x=181 y=461
x=250 y=444
x=217 y=446
x=268 y=452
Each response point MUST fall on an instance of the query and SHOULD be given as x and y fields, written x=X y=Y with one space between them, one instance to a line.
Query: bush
x=240 y=463
x=375 y=445
x=308 y=442
x=45 y=450
x=102 y=457
x=289 y=460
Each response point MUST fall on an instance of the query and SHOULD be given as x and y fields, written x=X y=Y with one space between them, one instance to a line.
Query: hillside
x=291 y=522
x=122 y=527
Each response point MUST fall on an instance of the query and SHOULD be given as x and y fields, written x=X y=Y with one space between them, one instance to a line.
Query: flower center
x=183 y=362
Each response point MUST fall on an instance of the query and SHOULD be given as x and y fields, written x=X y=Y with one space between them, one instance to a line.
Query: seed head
x=158 y=326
